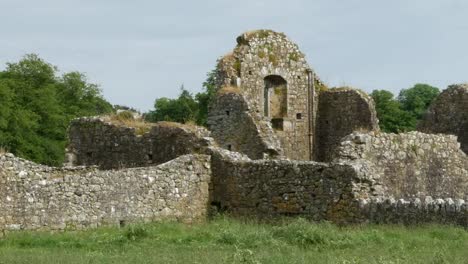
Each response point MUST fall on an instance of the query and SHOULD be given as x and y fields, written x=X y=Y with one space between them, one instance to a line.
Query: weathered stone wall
x=413 y=211
x=235 y=128
x=342 y=111
x=448 y=114
x=98 y=141
x=347 y=191
x=43 y=198
x=265 y=55
x=411 y=165
x=38 y=197
x=269 y=188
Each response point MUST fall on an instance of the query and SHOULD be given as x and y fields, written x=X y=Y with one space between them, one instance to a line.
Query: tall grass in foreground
x=3 y=150
x=226 y=240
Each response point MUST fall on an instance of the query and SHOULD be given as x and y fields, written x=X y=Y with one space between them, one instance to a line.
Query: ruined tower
x=268 y=103
x=265 y=100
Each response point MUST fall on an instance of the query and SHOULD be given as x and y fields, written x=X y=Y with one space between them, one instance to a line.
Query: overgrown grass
x=225 y=240
x=125 y=118
x=228 y=90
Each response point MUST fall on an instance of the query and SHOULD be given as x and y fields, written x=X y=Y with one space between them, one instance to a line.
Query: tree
x=36 y=107
x=80 y=98
x=392 y=118
x=183 y=109
x=417 y=99
x=403 y=113
x=204 y=98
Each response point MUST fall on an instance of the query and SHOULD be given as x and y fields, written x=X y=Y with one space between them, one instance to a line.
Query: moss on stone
x=293 y=56
x=125 y=120
x=320 y=86
x=349 y=88
x=229 y=90
x=273 y=59
x=261 y=54
x=187 y=126
x=229 y=63
x=261 y=34
x=237 y=67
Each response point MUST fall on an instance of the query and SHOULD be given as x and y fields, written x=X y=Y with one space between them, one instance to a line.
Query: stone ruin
x=279 y=144
x=448 y=114
x=270 y=103
x=99 y=141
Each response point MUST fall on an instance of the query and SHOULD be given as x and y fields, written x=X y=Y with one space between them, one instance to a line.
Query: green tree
x=417 y=99
x=392 y=118
x=183 y=109
x=36 y=107
x=80 y=98
x=204 y=98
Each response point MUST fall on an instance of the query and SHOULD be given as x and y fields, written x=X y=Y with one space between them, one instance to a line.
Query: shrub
x=136 y=232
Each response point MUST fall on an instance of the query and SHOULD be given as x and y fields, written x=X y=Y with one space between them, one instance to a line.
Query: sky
x=141 y=50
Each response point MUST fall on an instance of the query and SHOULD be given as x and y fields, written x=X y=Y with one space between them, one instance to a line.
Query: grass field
x=225 y=240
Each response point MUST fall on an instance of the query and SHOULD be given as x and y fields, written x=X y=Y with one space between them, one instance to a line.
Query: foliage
x=125 y=108
x=204 y=98
x=225 y=240
x=392 y=118
x=124 y=116
x=36 y=106
x=403 y=113
x=186 y=107
x=79 y=97
x=182 y=109
x=417 y=99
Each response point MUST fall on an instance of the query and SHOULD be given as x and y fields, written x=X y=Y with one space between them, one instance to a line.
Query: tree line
x=37 y=104
x=396 y=114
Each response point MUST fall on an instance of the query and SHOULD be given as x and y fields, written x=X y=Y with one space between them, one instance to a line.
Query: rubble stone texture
x=448 y=114
x=43 y=198
x=410 y=165
x=95 y=141
x=283 y=97
x=240 y=130
x=343 y=192
x=270 y=119
x=341 y=112
x=272 y=77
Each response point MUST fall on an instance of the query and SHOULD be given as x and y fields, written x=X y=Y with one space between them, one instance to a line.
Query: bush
x=136 y=232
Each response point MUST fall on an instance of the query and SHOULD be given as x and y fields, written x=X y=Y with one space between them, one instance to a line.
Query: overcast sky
x=143 y=49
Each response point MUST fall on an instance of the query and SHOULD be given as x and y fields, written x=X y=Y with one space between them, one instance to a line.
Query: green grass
x=225 y=240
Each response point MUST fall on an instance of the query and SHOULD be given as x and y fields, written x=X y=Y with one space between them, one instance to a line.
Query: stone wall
x=99 y=141
x=263 y=62
x=448 y=114
x=413 y=211
x=342 y=111
x=235 y=128
x=38 y=197
x=411 y=165
x=272 y=188
x=346 y=191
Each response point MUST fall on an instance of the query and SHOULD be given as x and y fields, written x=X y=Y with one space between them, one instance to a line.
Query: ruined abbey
x=278 y=143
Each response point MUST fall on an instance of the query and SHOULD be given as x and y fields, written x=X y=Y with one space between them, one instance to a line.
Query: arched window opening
x=276 y=99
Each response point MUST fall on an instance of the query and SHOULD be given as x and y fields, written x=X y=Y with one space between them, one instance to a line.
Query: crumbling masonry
x=279 y=143
x=267 y=82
